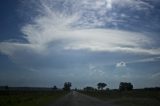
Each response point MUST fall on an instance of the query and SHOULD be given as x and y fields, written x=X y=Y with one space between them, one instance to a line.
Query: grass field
x=29 y=98
x=128 y=98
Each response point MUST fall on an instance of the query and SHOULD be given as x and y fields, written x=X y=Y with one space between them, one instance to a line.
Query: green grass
x=128 y=98
x=29 y=98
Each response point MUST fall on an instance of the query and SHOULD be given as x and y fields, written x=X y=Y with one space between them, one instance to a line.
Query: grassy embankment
x=128 y=98
x=29 y=98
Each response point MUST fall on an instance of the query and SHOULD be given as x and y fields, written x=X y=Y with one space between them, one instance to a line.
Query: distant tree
x=75 y=89
x=152 y=89
x=55 y=88
x=101 y=85
x=88 y=88
x=125 y=86
x=67 y=86
x=107 y=89
x=6 y=87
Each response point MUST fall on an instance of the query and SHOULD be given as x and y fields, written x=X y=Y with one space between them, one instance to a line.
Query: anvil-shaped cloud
x=85 y=41
x=79 y=25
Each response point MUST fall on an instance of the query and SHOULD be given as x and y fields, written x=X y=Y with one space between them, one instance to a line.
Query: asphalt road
x=78 y=99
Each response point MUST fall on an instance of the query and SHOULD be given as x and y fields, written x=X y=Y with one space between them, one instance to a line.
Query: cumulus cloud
x=121 y=64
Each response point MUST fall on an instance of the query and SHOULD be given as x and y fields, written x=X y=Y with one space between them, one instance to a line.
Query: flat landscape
x=29 y=98
x=79 y=52
x=128 y=98
x=79 y=98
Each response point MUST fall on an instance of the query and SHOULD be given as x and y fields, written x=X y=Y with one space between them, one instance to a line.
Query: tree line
x=123 y=86
x=101 y=86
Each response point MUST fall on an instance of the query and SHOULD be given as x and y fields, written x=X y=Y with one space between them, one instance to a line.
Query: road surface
x=78 y=99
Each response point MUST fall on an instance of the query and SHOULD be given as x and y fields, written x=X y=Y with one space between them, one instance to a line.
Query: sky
x=48 y=42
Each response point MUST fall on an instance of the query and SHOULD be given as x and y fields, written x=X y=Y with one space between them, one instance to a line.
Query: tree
x=55 y=88
x=125 y=86
x=75 y=89
x=6 y=87
x=67 y=86
x=88 y=88
x=101 y=85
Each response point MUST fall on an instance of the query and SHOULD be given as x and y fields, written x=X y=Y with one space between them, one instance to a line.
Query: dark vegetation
x=101 y=85
x=67 y=86
x=125 y=95
x=88 y=88
x=124 y=86
x=55 y=88
x=29 y=97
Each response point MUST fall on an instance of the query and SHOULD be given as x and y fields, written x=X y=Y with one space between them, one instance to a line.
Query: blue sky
x=48 y=42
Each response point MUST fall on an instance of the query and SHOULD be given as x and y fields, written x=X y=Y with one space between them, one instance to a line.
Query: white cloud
x=96 y=72
x=152 y=59
x=121 y=64
x=155 y=75
x=72 y=26
x=109 y=4
x=134 y=4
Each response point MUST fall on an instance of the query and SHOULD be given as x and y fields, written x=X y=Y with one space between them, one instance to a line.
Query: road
x=78 y=99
